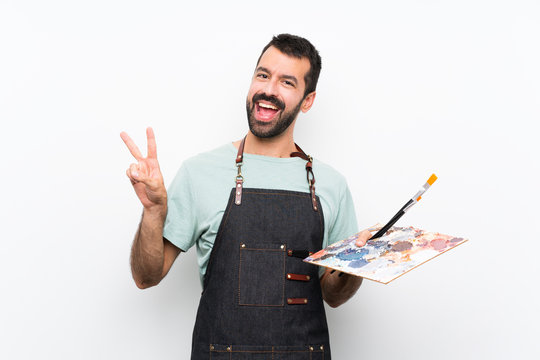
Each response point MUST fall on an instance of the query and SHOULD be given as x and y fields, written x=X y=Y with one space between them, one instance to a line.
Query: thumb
x=363 y=237
x=136 y=176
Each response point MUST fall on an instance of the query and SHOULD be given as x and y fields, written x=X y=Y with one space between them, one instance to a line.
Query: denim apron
x=260 y=300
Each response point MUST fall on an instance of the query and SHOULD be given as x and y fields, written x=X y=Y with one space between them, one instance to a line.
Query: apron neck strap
x=300 y=153
x=240 y=155
x=309 y=169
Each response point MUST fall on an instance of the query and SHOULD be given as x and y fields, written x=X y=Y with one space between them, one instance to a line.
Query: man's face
x=276 y=94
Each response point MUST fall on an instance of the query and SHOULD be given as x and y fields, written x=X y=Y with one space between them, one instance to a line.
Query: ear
x=308 y=102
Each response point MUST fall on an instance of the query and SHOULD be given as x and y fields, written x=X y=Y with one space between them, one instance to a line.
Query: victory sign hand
x=145 y=175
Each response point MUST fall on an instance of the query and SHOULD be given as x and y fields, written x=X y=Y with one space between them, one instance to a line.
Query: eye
x=288 y=83
x=262 y=76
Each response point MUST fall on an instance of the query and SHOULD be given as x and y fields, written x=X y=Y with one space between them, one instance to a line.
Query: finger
x=133 y=149
x=138 y=174
x=363 y=237
x=134 y=172
x=128 y=174
x=151 y=139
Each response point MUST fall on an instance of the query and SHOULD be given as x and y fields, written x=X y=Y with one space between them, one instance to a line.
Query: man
x=259 y=300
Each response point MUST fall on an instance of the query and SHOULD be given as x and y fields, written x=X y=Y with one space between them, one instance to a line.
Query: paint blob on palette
x=386 y=258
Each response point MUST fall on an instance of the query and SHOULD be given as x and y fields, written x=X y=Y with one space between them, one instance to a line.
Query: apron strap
x=300 y=153
x=309 y=169
x=239 y=177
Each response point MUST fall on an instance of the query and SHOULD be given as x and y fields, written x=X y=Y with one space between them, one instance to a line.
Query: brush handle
x=392 y=221
x=405 y=207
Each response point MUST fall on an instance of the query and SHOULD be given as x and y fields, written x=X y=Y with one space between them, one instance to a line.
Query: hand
x=363 y=237
x=145 y=175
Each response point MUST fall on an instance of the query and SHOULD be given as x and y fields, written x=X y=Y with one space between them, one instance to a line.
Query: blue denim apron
x=260 y=300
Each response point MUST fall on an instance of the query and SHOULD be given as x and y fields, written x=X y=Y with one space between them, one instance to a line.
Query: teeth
x=268 y=106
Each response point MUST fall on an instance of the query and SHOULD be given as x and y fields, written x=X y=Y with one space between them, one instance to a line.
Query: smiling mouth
x=265 y=111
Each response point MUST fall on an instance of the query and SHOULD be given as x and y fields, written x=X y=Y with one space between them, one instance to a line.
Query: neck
x=279 y=146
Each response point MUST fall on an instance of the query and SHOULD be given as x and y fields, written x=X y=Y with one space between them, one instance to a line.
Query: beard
x=264 y=129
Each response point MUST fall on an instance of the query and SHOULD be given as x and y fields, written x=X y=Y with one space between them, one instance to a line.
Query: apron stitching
x=239 y=267
x=283 y=293
x=264 y=351
x=261 y=193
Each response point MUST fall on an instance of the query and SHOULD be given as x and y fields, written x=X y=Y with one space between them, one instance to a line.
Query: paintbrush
x=402 y=211
x=405 y=207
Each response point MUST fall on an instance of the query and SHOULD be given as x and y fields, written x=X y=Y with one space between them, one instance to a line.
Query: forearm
x=336 y=290
x=147 y=251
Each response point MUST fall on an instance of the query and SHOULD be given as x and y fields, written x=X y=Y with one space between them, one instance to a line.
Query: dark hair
x=298 y=47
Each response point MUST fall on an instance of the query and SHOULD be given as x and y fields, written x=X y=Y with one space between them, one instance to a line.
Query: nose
x=271 y=87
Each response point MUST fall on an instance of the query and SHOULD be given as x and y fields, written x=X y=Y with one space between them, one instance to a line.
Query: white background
x=408 y=88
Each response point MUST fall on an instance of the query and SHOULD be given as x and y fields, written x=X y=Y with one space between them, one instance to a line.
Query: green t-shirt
x=198 y=196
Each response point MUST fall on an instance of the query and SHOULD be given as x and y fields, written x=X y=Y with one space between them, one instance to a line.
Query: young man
x=253 y=216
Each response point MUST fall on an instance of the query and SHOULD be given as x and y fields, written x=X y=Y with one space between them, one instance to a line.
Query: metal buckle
x=310 y=180
x=239 y=176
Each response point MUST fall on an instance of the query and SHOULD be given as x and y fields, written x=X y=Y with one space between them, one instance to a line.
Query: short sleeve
x=345 y=223
x=181 y=221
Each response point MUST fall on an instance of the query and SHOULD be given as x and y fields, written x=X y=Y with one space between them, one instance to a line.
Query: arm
x=151 y=255
x=336 y=290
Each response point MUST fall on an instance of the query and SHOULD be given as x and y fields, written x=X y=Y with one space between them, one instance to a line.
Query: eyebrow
x=289 y=77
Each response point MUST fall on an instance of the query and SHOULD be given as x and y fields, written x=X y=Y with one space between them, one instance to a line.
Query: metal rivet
x=307 y=277
x=228 y=348
x=238 y=185
x=322 y=347
x=238 y=193
x=211 y=347
x=243 y=245
x=288 y=276
x=283 y=246
x=289 y=301
x=238 y=202
x=311 y=348
x=305 y=301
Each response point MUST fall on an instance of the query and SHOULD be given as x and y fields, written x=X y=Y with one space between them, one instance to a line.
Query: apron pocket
x=246 y=352
x=261 y=276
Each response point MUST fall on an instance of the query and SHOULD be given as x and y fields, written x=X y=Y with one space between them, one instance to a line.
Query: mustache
x=271 y=99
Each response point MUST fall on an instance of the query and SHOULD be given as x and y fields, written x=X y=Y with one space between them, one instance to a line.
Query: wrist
x=156 y=212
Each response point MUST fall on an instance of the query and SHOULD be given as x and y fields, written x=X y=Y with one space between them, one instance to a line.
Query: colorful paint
x=386 y=258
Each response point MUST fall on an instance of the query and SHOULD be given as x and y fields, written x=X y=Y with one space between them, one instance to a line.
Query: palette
x=386 y=258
